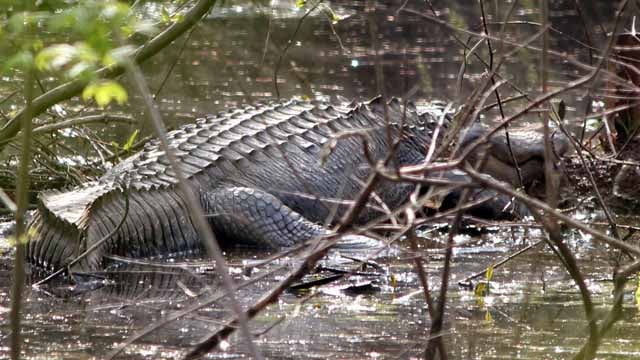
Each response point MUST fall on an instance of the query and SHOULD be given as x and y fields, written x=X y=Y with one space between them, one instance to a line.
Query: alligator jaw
x=525 y=145
x=529 y=170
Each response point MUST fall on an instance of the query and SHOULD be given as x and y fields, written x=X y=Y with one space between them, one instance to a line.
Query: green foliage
x=105 y=91
x=393 y=281
x=22 y=59
x=489 y=274
x=481 y=289
x=128 y=146
x=132 y=139
x=75 y=59
x=70 y=40
x=488 y=319
x=594 y=124
x=167 y=17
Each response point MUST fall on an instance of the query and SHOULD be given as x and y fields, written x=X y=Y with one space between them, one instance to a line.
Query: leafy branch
x=76 y=86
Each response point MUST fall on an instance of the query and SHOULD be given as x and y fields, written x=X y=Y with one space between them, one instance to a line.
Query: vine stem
x=21 y=239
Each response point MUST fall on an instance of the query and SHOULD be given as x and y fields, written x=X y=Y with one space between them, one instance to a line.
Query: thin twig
x=84 y=120
x=193 y=205
x=175 y=62
x=497 y=92
x=496 y=265
x=289 y=43
x=22 y=237
x=304 y=267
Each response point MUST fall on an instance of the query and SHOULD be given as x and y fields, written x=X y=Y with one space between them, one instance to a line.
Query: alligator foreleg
x=254 y=216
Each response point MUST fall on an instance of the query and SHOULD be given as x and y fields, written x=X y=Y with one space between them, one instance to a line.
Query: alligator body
x=256 y=171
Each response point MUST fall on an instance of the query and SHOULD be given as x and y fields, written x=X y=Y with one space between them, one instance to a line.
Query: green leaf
x=481 y=289
x=115 y=12
x=394 y=281
x=165 y=17
x=17 y=23
x=132 y=139
x=86 y=53
x=637 y=294
x=117 y=55
x=145 y=27
x=105 y=91
x=55 y=57
x=489 y=274
x=20 y=60
x=178 y=18
x=594 y=124
x=488 y=318
x=300 y=3
x=79 y=69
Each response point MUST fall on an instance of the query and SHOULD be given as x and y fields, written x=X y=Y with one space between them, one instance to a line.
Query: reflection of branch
x=183 y=312
x=437 y=320
x=289 y=43
x=300 y=270
x=74 y=87
x=569 y=261
x=175 y=62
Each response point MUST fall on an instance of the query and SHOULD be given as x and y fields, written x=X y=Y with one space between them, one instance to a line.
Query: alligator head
x=625 y=184
x=524 y=148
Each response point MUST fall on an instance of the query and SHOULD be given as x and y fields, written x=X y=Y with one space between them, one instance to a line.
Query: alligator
x=257 y=173
x=625 y=183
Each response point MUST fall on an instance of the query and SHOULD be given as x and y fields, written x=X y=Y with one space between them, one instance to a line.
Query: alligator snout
x=525 y=147
x=625 y=184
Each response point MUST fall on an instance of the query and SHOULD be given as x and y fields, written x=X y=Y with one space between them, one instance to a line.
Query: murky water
x=533 y=310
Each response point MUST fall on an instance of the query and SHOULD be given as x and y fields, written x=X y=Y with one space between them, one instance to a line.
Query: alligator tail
x=57 y=231
x=53 y=242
